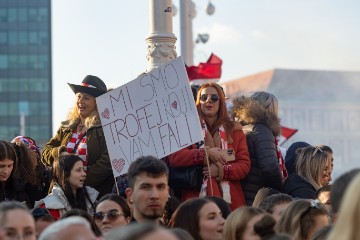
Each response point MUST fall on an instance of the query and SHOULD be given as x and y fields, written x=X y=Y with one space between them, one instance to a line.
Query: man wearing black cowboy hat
x=82 y=134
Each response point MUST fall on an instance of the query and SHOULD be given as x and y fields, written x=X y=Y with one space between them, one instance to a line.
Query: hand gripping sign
x=154 y=114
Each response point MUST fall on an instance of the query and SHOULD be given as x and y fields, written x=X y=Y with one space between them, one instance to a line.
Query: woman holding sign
x=225 y=148
x=82 y=134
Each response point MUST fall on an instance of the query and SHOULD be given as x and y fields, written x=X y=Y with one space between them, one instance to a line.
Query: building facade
x=25 y=69
x=323 y=105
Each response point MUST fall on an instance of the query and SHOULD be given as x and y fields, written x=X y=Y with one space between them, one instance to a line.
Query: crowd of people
x=249 y=187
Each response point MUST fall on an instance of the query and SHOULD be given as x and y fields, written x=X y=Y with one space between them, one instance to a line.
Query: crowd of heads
x=148 y=208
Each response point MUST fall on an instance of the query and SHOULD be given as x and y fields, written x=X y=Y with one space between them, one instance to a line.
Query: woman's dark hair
x=222 y=204
x=25 y=167
x=88 y=217
x=187 y=216
x=61 y=173
x=8 y=152
x=119 y=200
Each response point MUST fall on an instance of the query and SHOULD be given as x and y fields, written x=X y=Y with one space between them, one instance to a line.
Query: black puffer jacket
x=260 y=127
x=297 y=187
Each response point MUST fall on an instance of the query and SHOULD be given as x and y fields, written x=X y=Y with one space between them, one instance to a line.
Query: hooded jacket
x=99 y=174
x=260 y=127
x=297 y=187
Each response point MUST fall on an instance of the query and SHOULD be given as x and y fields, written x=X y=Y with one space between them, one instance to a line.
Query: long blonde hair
x=310 y=164
x=348 y=220
x=236 y=222
x=73 y=117
x=298 y=218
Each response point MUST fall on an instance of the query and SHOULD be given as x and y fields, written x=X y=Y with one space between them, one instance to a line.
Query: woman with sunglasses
x=112 y=211
x=313 y=170
x=258 y=114
x=225 y=148
x=69 y=191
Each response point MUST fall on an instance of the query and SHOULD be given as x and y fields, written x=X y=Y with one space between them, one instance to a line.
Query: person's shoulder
x=93 y=193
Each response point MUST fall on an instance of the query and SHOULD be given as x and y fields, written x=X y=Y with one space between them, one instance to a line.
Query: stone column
x=161 y=40
x=187 y=13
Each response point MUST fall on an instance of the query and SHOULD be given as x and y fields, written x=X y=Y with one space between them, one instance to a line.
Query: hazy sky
x=107 y=39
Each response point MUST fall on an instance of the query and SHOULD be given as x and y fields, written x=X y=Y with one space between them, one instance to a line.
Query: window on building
x=32 y=15
x=3 y=37
x=3 y=61
x=3 y=15
x=22 y=14
x=12 y=15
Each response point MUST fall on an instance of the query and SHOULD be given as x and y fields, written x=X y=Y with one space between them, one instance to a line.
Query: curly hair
x=74 y=117
x=26 y=167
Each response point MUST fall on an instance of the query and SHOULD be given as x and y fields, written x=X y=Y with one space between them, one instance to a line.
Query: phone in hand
x=227 y=154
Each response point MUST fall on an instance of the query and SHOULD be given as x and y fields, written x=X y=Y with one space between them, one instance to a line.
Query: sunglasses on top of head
x=205 y=97
x=112 y=215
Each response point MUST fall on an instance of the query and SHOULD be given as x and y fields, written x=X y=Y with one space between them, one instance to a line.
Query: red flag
x=209 y=70
x=286 y=133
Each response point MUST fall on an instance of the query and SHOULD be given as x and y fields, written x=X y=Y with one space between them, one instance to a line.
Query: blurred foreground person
x=141 y=231
x=347 y=223
x=71 y=228
x=16 y=221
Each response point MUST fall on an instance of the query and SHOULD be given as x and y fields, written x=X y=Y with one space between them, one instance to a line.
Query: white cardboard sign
x=154 y=114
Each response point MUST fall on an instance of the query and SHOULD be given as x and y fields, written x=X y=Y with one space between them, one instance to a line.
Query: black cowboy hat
x=91 y=85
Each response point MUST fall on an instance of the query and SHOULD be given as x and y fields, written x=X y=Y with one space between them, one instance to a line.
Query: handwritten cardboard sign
x=154 y=114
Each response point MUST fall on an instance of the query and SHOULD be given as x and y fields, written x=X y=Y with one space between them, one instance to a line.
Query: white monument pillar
x=187 y=13
x=161 y=40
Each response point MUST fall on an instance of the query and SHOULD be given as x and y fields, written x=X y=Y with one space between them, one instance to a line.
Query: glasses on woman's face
x=112 y=215
x=205 y=97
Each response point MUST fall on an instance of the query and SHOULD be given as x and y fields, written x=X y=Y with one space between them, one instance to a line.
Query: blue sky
x=107 y=39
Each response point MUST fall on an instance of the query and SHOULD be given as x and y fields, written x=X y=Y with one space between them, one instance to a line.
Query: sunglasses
x=205 y=97
x=112 y=215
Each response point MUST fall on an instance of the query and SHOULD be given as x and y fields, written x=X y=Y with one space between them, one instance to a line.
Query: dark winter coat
x=260 y=127
x=17 y=190
x=297 y=187
x=99 y=172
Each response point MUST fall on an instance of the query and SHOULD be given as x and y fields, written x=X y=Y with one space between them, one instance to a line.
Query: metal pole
x=22 y=124
x=161 y=40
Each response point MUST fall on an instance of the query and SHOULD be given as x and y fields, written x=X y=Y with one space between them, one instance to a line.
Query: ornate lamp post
x=161 y=40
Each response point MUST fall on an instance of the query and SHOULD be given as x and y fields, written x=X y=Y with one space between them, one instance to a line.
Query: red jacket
x=233 y=172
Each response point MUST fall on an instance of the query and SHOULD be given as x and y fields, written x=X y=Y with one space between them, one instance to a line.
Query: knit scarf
x=282 y=165
x=212 y=141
